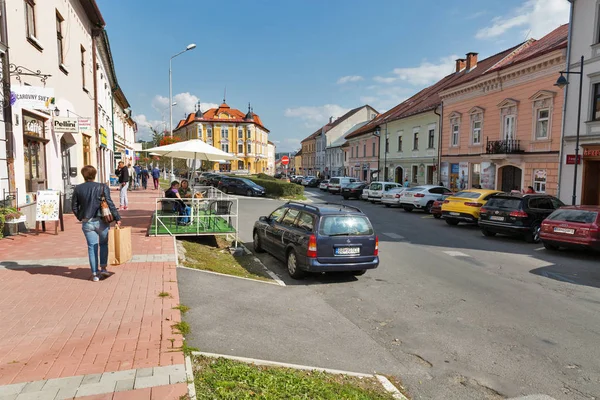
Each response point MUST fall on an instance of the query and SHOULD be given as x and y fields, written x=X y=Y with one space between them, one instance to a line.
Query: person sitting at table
x=178 y=205
x=184 y=190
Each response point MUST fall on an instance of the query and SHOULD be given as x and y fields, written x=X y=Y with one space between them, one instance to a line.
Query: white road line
x=539 y=249
x=393 y=235
x=452 y=253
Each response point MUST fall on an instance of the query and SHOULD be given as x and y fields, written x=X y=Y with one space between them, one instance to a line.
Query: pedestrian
x=86 y=207
x=131 y=177
x=138 y=175
x=516 y=190
x=155 y=176
x=406 y=183
x=123 y=173
x=145 y=175
x=184 y=190
x=530 y=190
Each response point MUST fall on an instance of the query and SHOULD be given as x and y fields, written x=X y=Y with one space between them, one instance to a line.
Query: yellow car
x=464 y=206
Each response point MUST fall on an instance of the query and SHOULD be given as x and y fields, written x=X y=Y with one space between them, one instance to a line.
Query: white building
x=335 y=156
x=585 y=41
x=270 y=158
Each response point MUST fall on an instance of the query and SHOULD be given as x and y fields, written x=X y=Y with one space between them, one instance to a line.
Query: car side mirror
x=263 y=219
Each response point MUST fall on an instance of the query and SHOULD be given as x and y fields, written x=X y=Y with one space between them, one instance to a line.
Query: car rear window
x=415 y=189
x=345 y=225
x=334 y=180
x=355 y=185
x=375 y=186
x=468 y=195
x=504 y=203
x=581 y=216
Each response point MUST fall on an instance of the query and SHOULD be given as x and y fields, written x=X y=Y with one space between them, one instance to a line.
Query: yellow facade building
x=240 y=134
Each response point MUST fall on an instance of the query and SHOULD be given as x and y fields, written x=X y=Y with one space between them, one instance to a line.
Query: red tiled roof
x=313 y=135
x=335 y=123
x=212 y=116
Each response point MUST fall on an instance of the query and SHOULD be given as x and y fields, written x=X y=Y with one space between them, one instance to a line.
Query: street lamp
x=561 y=83
x=378 y=134
x=387 y=143
x=189 y=47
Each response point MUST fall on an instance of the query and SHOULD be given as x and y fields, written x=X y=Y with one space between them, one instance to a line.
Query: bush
x=265 y=176
x=276 y=188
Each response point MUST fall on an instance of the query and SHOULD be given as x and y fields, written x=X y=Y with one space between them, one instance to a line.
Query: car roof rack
x=304 y=205
x=341 y=205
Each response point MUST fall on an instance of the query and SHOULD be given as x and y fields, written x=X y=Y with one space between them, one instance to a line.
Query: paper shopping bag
x=119 y=245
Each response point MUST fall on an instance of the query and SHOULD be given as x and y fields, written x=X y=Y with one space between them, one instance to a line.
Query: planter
x=13 y=227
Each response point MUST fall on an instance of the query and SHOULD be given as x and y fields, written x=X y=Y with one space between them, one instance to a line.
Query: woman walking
x=86 y=207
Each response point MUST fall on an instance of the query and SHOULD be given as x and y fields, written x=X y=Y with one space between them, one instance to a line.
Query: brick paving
x=57 y=323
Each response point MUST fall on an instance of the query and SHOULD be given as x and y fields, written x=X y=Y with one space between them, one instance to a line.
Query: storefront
x=590 y=192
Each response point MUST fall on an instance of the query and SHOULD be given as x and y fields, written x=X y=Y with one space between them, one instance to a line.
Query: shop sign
x=47 y=205
x=571 y=159
x=444 y=173
x=118 y=155
x=591 y=153
x=66 y=125
x=488 y=175
x=463 y=179
x=33 y=97
x=103 y=138
x=85 y=126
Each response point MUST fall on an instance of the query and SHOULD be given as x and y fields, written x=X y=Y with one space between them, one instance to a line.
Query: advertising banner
x=454 y=172
x=66 y=125
x=444 y=174
x=33 y=97
x=48 y=205
x=85 y=126
x=463 y=179
x=488 y=175
x=103 y=137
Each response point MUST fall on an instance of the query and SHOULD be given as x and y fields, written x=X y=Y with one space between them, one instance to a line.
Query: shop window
x=431 y=140
x=543 y=118
x=539 y=180
x=34 y=150
x=87 y=150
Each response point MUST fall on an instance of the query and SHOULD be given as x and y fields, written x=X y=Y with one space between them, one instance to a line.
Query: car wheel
x=388 y=205
x=534 y=235
x=249 y=193
x=451 y=221
x=345 y=197
x=549 y=246
x=407 y=209
x=359 y=272
x=437 y=216
x=428 y=207
x=488 y=233
x=292 y=266
x=257 y=243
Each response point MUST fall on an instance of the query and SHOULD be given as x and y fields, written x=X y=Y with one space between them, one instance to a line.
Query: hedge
x=277 y=188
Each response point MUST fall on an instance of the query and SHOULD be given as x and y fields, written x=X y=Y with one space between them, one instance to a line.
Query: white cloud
x=144 y=124
x=315 y=116
x=186 y=103
x=349 y=78
x=382 y=79
x=477 y=14
x=536 y=17
x=288 y=144
x=426 y=73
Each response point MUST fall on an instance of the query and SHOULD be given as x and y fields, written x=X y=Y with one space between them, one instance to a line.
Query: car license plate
x=495 y=218
x=457 y=214
x=564 y=230
x=347 y=251
x=408 y=195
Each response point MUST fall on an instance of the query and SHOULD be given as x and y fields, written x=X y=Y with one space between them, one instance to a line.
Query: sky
x=299 y=62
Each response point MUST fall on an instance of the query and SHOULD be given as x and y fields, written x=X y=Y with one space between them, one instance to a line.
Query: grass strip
x=227 y=379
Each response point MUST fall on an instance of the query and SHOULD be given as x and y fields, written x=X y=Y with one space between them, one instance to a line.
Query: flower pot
x=11 y=228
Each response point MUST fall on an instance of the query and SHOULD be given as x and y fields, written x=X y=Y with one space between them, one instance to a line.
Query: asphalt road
x=454 y=314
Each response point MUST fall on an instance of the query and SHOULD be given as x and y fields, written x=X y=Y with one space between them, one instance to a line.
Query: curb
x=228 y=276
x=189 y=373
x=272 y=274
x=387 y=385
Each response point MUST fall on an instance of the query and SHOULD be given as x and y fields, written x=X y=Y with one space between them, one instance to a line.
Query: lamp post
x=189 y=47
x=561 y=83
x=378 y=134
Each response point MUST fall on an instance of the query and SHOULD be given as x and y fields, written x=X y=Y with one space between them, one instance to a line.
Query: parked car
x=338 y=183
x=324 y=185
x=307 y=179
x=314 y=182
x=213 y=180
x=353 y=190
x=241 y=186
x=517 y=214
x=377 y=189
x=422 y=197
x=392 y=197
x=572 y=227
x=318 y=238
x=436 y=208
x=464 y=206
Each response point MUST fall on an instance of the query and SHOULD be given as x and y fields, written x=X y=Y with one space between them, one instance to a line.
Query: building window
x=539 y=180
x=225 y=147
x=87 y=150
x=249 y=133
x=476 y=134
x=240 y=133
x=455 y=135
x=30 y=18
x=83 y=69
x=431 y=139
x=373 y=149
x=240 y=148
x=387 y=145
x=509 y=127
x=249 y=148
x=416 y=141
x=34 y=153
x=415 y=172
x=59 y=39
x=352 y=152
x=224 y=132
x=543 y=119
x=364 y=149
x=209 y=132
x=400 y=143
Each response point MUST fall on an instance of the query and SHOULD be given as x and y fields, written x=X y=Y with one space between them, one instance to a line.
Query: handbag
x=105 y=213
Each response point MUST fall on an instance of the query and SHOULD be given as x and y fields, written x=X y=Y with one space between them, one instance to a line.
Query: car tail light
x=397 y=195
x=483 y=210
x=519 y=214
x=446 y=201
x=419 y=195
x=546 y=228
x=312 y=247
x=376 y=252
x=595 y=232
x=470 y=204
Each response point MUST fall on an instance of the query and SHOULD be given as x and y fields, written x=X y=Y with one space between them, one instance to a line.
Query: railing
x=509 y=146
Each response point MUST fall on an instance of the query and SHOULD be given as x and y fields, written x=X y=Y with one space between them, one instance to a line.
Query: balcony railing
x=509 y=146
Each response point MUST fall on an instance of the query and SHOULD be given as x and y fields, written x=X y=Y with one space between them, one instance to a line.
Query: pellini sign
x=66 y=125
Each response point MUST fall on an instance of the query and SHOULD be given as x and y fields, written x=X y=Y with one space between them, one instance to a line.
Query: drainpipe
x=8 y=125
x=100 y=159
x=441 y=124
x=564 y=110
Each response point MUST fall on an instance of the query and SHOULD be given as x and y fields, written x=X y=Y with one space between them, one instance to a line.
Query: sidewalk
x=64 y=336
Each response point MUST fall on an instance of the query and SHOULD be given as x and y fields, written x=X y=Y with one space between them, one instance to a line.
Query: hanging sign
x=33 y=97
x=66 y=125
x=85 y=126
x=103 y=138
x=48 y=205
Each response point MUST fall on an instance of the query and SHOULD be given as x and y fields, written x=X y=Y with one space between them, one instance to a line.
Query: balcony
x=509 y=146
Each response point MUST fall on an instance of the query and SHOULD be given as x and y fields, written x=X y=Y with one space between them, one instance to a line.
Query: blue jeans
x=187 y=211
x=96 y=235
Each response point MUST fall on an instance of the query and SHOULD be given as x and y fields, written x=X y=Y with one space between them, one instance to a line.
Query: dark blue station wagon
x=323 y=237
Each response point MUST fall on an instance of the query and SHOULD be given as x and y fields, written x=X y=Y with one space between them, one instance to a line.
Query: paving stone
x=124 y=385
x=70 y=382
x=9 y=397
x=169 y=369
x=118 y=375
x=96 y=388
x=144 y=372
x=66 y=393
x=177 y=377
x=16 y=388
x=43 y=395
x=91 y=379
x=33 y=386
x=151 y=381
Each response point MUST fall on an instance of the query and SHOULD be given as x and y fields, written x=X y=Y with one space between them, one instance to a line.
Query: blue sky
x=300 y=62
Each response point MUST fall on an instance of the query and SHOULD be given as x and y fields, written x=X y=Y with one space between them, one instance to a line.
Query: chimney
x=331 y=119
x=471 y=60
x=461 y=63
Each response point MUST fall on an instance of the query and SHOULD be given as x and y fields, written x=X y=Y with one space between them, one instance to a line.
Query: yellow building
x=229 y=129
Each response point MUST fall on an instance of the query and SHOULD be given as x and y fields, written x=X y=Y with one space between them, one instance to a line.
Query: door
x=591 y=183
x=281 y=232
x=66 y=170
x=511 y=178
x=399 y=175
x=509 y=127
x=270 y=227
x=430 y=174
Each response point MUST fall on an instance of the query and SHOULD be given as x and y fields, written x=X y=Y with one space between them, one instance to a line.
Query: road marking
x=427 y=216
x=540 y=249
x=452 y=253
x=393 y=235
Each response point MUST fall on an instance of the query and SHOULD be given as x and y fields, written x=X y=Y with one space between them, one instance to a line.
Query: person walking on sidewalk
x=132 y=177
x=145 y=175
x=123 y=174
x=155 y=176
x=86 y=207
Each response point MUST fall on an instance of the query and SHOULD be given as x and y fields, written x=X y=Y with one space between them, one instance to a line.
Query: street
x=450 y=312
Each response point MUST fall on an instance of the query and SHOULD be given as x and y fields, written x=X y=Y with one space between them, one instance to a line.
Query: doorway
x=66 y=173
x=430 y=174
x=591 y=183
x=399 y=175
x=511 y=178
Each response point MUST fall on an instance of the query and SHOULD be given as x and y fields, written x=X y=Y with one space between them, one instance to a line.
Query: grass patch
x=227 y=379
x=211 y=253
x=182 y=308
x=295 y=197
x=188 y=350
x=182 y=327
x=164 y=294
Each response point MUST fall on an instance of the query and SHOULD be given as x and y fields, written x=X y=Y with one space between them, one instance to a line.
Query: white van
x=336 y=184
x=376 y=190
